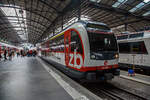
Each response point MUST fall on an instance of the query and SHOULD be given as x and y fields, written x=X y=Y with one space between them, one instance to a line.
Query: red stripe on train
x=94 y=68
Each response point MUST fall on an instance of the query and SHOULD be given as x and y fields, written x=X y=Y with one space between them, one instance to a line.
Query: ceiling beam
x=116 y=10
x=32 y=11
x=40 y=23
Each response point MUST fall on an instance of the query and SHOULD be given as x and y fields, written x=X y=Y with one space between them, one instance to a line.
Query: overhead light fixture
x=139 y=6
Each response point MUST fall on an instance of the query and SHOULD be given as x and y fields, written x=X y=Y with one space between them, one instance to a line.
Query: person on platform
x=34 y=53
x=10 y=54
x=5 y=54
x=21 y=52
x=0 y=56
x=30 y=53
x=18 y=53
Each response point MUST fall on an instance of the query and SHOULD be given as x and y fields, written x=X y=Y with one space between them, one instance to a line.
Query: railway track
x=110 y=96
x=109 y=92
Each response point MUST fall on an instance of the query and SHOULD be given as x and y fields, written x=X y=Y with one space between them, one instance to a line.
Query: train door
x=67 y=39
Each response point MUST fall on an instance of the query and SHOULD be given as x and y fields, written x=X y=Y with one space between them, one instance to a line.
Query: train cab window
x=102 y=42
x=76 y=42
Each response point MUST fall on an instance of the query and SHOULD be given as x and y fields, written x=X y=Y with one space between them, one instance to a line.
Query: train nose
x=117 y=72
x=108 y=76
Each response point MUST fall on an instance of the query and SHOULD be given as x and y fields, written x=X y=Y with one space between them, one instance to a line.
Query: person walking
x=0 y=56
x=5 y=54
x=18 y=53
x=21 y=52
x=10 y=54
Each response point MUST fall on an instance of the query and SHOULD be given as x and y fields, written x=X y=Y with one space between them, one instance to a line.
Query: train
x=134 y=51
x=5 y=46
x=85 y=50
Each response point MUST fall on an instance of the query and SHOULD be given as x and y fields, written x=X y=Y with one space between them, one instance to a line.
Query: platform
x=138 y=84
x=138 y=77
x=26 y=79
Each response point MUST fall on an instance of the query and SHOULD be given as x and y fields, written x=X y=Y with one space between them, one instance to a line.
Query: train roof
x=91 y=22
x=7 y=45
x=84 y=22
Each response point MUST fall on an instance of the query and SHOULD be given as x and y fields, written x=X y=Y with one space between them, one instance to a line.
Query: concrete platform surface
x=25 y=79
x=138 y=77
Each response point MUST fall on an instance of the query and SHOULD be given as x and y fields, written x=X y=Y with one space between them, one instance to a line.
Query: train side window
x=122 y=37
x=76 y=42
x=133 y=48
x=136 y=35
x=139 y=48
x=57 y=44
x=124 y=47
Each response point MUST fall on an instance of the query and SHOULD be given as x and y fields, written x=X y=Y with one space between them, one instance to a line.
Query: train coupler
x=91 y=76
x=117 y=72
x=108 y=76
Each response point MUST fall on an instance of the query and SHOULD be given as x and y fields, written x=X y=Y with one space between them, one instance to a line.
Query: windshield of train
x=102 y=42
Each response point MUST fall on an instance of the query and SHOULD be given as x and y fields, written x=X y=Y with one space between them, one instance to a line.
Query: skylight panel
x=12 y=18
x=13 y=21
x=15 y=24
x=139 y=6
x=8 y=11
x=147 y=13
x=118 y=3
x=85 y=17
x=16 y=16
x=97 y=1
x=146 y=1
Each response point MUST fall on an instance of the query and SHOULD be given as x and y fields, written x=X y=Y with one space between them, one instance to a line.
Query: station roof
x=35 y=20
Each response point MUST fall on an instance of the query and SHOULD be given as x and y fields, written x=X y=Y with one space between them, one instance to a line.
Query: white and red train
x=134 y=51
x=84 y=50
x=4 y=46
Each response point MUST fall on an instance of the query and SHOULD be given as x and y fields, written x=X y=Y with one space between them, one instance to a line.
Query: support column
x=54 y=29
x=62 y=22
x=79 y=10
x=126 y=26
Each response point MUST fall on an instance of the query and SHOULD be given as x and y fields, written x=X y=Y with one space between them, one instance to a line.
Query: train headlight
x=93 y=57
x=116 y=56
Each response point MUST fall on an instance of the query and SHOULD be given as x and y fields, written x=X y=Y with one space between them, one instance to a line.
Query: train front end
x=102 y=53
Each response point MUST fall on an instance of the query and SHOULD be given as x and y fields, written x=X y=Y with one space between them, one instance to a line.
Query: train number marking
x=76 y=60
